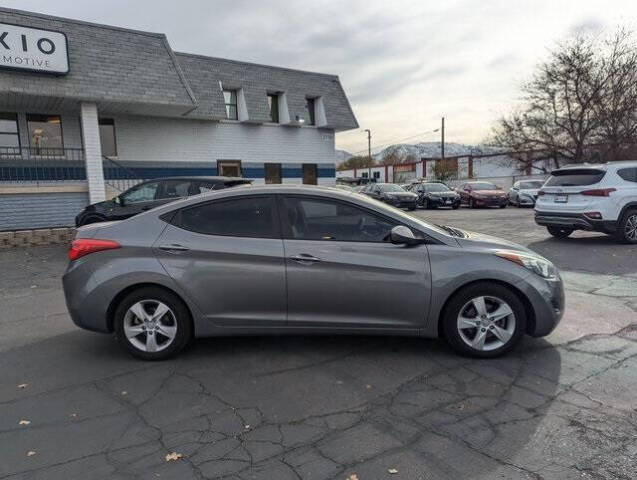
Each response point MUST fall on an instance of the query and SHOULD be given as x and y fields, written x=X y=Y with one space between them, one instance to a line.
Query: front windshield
x=483 y=186
x=390 y=187
x=531 y=184
x=398 y=213
x=436 y=187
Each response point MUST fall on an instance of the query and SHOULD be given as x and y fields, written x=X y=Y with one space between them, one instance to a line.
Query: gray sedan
x=303 y=260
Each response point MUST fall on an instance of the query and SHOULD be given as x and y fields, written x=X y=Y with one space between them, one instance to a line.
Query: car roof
x=600 y=166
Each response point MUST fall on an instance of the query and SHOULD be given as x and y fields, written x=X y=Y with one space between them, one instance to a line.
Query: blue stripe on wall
x=18 y=173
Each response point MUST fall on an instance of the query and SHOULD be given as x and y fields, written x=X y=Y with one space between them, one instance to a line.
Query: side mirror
x=402 y=235
x=119 y=201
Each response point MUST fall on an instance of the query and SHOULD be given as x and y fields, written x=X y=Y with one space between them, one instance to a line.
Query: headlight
x=536 y=264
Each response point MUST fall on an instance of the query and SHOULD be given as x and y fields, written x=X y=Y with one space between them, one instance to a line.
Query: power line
x=391 y=142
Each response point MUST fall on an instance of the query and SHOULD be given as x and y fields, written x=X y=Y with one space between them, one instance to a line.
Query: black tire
x=471 y=204
x=451 y=312
x=624 y=230
x=411 y=209
x=560 y=232
x=456 y=207
x=91 y=219
x=503 y=206
x=182 y=319
x=425 y=204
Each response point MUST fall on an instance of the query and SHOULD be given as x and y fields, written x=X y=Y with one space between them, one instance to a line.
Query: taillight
x=540 y=193
x=84 y=246
x=593 y=215
x=598 y=192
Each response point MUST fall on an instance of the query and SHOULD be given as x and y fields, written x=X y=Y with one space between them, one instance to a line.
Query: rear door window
x=574 y=177
x=240 y=217
x=175 y=189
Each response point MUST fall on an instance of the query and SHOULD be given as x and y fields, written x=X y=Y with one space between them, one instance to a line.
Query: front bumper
x=491 y=201
x=443 y=202
x=547 y=302
x=526 y=200
x=576 y=221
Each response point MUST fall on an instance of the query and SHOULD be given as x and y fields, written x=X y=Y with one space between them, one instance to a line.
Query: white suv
x=601 y=198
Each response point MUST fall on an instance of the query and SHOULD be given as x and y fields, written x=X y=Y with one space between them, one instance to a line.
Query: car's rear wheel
x=471 y=204
x=152 y=323
x=560 y=232
x=627 y=227
x=484 y=320
x=503 y=206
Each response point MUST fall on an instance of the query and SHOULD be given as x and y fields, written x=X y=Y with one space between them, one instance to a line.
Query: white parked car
x=601 y=198
x=523 y=193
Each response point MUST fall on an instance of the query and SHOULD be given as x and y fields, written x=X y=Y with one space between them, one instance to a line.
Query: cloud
x=590 y=25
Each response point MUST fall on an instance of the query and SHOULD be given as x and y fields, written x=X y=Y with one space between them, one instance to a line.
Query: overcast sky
x=403 y=64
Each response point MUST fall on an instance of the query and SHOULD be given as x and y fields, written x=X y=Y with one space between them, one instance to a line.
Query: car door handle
x=173 y=248
x=305 y=259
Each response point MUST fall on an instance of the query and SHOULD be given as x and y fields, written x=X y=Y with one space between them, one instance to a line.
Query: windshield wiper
x=453 y=231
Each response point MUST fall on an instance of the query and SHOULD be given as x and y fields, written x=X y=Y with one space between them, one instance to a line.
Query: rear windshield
x=574 y=177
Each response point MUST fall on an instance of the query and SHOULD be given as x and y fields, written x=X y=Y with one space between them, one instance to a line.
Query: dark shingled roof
x=128 y=71
x=205 y=73
x=116 y=66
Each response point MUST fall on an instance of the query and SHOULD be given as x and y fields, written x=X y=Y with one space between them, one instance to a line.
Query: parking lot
x=75 y=405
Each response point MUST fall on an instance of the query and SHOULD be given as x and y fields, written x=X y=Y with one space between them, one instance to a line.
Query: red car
x=482 y=194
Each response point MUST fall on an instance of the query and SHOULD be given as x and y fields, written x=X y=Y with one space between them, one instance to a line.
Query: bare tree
x=580 y=104
x=357 y=161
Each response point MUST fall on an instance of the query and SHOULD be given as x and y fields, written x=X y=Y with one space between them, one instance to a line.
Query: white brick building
x=84 y=106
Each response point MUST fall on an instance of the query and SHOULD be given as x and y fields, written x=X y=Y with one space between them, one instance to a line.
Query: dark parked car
x=482 y=194
x=391 y=194
x=434 y=195
x=273 y=260
x=151 y=194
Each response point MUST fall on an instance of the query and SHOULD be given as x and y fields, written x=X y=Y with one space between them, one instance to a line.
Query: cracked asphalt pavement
x=75 y=405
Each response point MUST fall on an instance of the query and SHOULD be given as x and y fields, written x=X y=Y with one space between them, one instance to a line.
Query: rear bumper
x=401 y=203
x=576 y=221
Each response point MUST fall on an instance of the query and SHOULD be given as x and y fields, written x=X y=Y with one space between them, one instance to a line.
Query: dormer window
x=230 y=99
x=309 y=105
x=273 y=106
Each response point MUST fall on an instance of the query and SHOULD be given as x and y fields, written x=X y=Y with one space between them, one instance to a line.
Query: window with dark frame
x=45 y=132
x=273 y=106
x=9 y=132
x=230 y=99
x=310 y=174
x=241 y=217
x=107 y=137
x=309 y=105
x=272 y=173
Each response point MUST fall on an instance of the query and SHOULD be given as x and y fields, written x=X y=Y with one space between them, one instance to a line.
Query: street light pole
x=369 y=152
x=442 y=139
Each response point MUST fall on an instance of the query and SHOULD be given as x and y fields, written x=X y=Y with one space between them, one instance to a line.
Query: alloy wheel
x=150 y=325
x=486 y=323
x=630 y=229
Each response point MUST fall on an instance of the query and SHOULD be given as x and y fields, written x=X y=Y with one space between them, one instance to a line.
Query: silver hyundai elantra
x=303 y=260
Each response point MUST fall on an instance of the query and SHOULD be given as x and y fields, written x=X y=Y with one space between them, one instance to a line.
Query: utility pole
x=369 y=152
x=442 y=139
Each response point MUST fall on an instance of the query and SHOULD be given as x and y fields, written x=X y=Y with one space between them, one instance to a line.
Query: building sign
x=25 y=48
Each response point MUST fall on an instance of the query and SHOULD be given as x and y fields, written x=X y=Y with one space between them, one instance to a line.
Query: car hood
x=481 y=240
x=400 y=194
x=489 y=193
x=443 y=194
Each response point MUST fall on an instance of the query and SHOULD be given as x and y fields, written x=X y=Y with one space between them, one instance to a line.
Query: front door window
x=229 y=168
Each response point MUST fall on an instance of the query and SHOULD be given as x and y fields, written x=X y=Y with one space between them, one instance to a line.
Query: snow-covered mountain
x=420 y=150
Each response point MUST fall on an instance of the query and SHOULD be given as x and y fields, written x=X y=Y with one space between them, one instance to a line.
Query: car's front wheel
x=627 y=227
x=559 y=232
x=152 y=323
x=484 y=320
